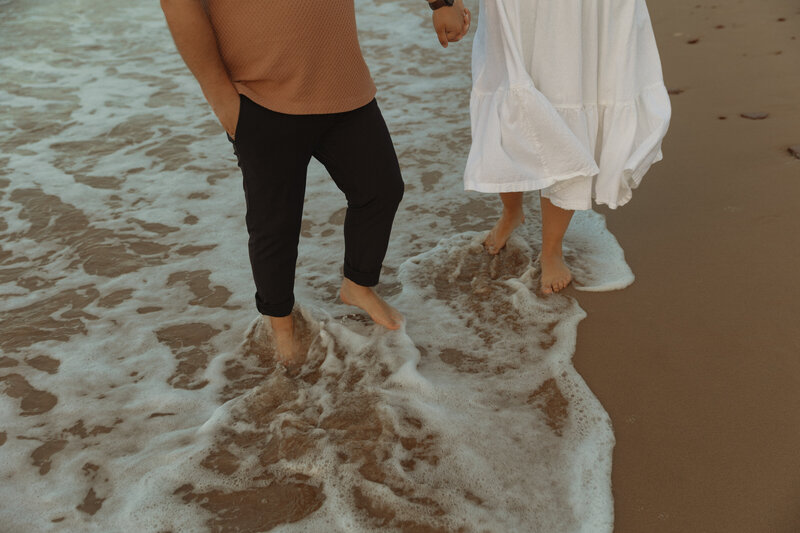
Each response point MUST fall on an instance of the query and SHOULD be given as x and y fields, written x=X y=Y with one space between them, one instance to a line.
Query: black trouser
x=274 y=150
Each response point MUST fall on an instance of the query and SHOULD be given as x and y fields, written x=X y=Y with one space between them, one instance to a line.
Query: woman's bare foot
x=511 y=218
x=556 y=276
x=555 y=221
x=501 y=232
x=287 y=348
x=365 y=298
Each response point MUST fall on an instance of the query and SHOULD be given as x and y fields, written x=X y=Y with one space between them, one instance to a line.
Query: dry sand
x=697 y=362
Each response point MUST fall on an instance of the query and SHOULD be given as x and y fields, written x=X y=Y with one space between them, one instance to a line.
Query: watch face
x=449 y=2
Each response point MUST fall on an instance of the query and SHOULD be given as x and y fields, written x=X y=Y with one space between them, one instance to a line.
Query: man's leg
x=274 y=151
x=357 y=150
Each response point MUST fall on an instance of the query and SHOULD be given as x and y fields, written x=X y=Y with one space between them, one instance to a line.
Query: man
x=288 y=82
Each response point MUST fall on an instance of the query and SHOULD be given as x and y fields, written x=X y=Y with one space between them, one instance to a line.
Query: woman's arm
x=194 y=37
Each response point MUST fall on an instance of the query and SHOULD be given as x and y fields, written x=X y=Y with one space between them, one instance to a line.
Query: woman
x=568 y=99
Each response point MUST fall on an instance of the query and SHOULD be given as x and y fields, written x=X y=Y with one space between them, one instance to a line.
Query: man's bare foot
x=555 y=273
x=287 y=348
x=502 y=230
x=365 y=298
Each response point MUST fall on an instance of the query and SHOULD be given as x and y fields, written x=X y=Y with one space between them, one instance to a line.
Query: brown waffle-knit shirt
x=298 y=57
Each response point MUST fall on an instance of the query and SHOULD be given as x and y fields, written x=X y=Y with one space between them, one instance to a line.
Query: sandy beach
x=138 y=392
x=700 y=375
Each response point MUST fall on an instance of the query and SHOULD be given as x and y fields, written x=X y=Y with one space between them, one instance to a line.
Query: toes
x=386 y=320
x=561 y=284
x=398 y=318
x=551 y=287
x=387 y=316
x=285 y=361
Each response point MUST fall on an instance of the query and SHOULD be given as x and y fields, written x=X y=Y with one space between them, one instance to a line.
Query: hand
x=451 y=23
x=227 y=110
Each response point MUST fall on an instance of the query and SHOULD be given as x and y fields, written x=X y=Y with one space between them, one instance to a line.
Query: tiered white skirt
x=567 y=98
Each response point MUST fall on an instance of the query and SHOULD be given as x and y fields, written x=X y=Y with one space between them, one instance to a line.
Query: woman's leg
x=555 y=273
x=511 y=218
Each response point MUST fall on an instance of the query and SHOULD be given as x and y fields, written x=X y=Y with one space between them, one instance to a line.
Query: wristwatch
x=436 y=4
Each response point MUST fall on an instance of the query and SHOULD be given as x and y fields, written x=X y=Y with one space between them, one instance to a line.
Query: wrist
x=436 y=4
x=219 y=90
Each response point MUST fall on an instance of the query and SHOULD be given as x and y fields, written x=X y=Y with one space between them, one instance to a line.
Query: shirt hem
x=305 y=108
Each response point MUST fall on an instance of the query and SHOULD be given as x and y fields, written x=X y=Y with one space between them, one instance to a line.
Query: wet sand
x=697 y=362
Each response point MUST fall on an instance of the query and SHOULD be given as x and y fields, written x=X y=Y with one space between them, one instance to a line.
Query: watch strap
x=436 y=4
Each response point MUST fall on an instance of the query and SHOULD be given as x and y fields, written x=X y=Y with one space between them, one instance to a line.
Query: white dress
x=567 y=98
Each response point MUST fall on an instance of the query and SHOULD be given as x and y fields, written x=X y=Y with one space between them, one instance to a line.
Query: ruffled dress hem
x=508 y=123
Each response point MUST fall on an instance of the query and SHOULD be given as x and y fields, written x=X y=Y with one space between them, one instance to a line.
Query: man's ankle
x=281 y=322
x=350 y=284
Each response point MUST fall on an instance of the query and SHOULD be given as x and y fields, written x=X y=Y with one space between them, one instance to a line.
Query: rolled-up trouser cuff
x=279 y=309
x=365 y=279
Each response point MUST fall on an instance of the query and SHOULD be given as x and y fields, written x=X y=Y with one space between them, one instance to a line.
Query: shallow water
x=136 y=389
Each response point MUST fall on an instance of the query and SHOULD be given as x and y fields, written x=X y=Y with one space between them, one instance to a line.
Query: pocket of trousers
x=237 y=128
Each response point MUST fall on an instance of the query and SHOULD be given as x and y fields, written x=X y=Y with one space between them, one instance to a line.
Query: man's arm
x=194 y=37
x=451 y=23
